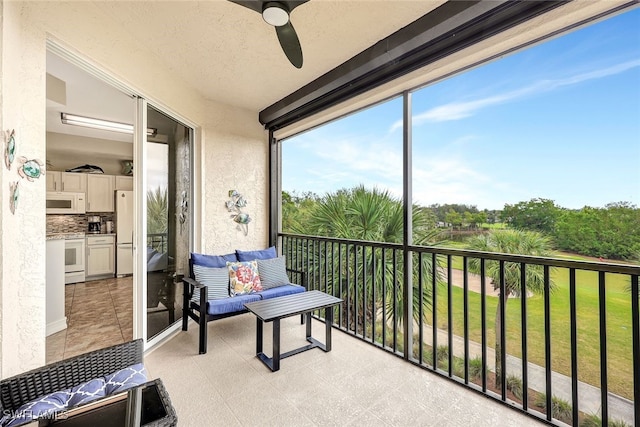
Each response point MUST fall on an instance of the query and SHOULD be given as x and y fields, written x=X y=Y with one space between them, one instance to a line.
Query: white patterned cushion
x=126 y=378
x=87 y=392
x=216 y=280
x=273 y=272
x=55 y=402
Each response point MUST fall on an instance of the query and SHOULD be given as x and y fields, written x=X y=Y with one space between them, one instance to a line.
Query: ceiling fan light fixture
x=275 y=14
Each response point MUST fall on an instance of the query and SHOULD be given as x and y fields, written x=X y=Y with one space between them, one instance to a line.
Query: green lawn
x=618 y=309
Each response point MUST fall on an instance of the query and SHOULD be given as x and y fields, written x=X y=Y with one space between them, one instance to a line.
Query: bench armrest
x=303 y=276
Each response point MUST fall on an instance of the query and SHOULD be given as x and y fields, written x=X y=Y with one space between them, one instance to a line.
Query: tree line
x=611 y=232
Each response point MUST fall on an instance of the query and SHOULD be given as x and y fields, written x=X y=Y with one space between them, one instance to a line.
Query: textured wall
x=233 y=145
x=22 y=283
x=236 y=157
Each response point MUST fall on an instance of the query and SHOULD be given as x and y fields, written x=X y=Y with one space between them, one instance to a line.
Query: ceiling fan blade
x=249 y=4
x=290 y=44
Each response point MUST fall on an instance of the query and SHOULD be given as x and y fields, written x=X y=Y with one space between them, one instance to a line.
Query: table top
x=290 y=305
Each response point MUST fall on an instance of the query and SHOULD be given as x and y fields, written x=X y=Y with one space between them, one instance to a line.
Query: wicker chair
x=25 y=387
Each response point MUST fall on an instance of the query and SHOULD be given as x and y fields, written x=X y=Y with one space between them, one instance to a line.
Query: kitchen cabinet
x=124 y=182
x=66 y=181
x=100 y=256
x=100 y=192
x=55 y=315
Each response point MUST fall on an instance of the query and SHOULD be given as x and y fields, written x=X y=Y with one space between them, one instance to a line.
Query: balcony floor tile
x=355 y=384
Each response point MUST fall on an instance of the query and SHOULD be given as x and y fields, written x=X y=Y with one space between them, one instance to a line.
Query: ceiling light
x=275 y=14
x=88 y=122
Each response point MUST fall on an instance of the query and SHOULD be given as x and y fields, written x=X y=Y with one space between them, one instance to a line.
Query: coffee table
x=275 y=309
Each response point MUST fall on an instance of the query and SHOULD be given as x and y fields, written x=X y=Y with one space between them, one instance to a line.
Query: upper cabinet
x=66 y=181
x=100 y=195
x=124 y=182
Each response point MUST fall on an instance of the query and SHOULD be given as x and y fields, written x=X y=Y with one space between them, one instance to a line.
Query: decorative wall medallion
x=30 y=169
x=235 y=203
x=13 y=196
x=9 y=147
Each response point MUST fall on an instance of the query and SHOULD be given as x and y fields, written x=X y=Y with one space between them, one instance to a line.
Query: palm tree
x=157 y=211
x=371 y=216
x=511 y=242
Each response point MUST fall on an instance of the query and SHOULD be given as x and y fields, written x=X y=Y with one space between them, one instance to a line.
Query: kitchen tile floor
x=99 y=314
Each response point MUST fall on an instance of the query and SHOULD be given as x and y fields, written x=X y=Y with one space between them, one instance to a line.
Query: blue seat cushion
x=230 y=304
x=281 y=291
x=216 y=261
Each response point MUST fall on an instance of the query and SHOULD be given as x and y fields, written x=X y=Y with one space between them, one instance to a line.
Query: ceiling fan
x=277 y=13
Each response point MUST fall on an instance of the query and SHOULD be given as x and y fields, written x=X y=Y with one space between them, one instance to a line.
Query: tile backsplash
x=74 y=223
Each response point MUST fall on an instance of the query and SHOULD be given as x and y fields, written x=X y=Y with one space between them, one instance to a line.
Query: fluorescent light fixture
x=88 y=122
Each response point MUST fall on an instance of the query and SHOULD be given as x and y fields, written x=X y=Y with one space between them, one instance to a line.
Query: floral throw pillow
x=243 y=277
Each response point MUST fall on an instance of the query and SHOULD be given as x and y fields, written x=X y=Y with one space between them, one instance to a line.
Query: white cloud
x=460 y=110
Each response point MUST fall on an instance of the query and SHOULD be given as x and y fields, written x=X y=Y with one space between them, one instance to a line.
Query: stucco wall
x=233 y=153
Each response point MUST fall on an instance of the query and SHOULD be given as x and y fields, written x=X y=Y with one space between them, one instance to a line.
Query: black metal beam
x=449 y=28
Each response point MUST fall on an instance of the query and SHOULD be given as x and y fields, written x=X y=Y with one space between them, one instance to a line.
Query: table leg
x=276 y=345
x=328 y=321
x=308 y=325
x=258 y=335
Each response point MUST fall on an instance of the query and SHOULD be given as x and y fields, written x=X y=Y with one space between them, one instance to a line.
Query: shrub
x=458 y=367
x=514 y=385
x=594 y=420
x=475 y=368
x=560 y=408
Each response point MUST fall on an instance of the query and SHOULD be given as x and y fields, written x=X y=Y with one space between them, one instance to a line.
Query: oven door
x=74 y=255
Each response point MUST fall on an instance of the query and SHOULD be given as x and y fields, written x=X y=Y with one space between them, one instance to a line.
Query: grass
x=618 y=316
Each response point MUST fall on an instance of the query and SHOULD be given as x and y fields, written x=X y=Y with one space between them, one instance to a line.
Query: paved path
x=588 y=395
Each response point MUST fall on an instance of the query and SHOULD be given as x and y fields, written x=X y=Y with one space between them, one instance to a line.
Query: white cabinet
x=54 y=181
x=124 y=183
x=100 y=193
x=100 y=256
x=66 y=181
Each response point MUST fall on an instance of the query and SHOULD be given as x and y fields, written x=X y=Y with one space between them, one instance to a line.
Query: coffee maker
x=94 y=224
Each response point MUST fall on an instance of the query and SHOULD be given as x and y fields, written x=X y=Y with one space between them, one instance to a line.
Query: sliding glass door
x=168 y=218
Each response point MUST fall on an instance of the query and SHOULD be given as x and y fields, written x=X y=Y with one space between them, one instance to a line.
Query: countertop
x=68 y=236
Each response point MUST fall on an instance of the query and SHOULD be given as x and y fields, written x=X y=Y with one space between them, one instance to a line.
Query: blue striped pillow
x=215 y=279
x=273 y=272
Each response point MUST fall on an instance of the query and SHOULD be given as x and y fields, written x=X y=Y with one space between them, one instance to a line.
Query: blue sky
x=560 y=120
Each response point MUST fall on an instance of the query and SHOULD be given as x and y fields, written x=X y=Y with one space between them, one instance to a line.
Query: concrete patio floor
x=353 y=385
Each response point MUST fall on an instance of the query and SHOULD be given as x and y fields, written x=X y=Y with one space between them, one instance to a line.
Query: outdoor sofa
x=212 y=292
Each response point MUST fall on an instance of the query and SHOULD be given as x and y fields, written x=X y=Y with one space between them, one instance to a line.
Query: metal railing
x=540 y=357
x=157 y=241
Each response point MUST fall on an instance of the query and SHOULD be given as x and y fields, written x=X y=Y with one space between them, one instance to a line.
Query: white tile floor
x=353 y=385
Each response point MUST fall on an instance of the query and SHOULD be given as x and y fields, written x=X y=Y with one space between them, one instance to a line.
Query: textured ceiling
x=229 y=54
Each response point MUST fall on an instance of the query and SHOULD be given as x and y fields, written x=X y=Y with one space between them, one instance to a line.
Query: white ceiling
x=229 y=54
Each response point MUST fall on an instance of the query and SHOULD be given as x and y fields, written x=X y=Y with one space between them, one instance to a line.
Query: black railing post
x=574 y=345
x=635 y=320
x=523 y=322
x=503 y=335
x=604 y=389
x=434 y=311
x=450 y=314
x=547 y=341
x=465 y=314
x=483 y=322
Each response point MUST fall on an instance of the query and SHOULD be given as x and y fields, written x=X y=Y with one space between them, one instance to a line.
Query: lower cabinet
x=100 y=256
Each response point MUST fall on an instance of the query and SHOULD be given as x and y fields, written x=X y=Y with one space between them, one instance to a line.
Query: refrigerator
x=124 y=233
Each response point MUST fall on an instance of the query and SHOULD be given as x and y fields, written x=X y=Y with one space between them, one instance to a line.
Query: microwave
x=61 y=202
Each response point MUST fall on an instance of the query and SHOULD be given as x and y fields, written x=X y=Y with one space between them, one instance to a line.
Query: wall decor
x=30 y=168
x=235 y=204
x=13 y=196
x=9 y=147
x=127 y=167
